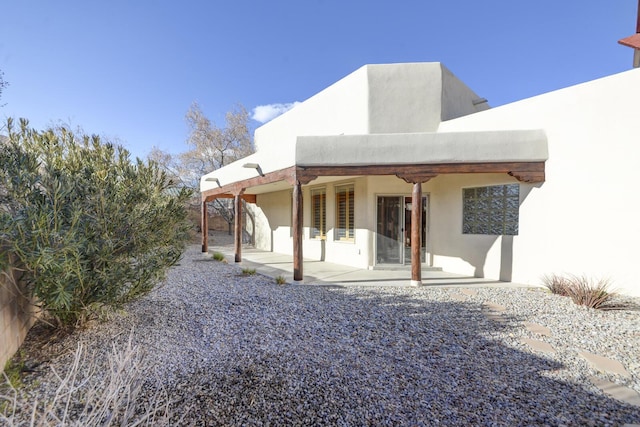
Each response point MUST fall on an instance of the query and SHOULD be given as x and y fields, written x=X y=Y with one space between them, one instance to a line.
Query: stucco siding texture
x=583 y=219
x=382 y=99
x=422 y=148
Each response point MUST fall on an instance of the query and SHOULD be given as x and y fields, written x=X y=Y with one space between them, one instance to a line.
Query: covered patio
x=529 y=169
x=322 y=273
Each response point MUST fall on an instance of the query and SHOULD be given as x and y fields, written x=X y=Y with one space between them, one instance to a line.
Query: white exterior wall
x=339 y=109
x=470 y=254
x=375 y=99
x=272 y=213
x=456 y=96
x=584 y=218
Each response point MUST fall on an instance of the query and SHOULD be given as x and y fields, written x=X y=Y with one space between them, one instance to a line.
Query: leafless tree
x=211 y=147
x=3 y=84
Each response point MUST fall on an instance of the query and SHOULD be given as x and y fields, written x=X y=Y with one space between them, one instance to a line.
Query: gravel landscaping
x=231 y=349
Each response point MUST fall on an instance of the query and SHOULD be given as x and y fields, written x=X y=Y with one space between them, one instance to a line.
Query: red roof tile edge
x=631 y=41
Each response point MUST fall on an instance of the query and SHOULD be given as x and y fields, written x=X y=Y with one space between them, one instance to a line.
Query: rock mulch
x=241 y=350
x=603 y=365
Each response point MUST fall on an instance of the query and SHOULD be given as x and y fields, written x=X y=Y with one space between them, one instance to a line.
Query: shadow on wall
x=474 y=248
x=271 y=216
x=506 y=258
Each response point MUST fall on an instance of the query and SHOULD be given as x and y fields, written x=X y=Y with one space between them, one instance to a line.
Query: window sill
x=343 y=240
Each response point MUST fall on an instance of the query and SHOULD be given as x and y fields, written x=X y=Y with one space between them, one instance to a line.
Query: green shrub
x=280 y=280
x=88 y=225
x=218 y=256
x=248 y=271
x=593 y=293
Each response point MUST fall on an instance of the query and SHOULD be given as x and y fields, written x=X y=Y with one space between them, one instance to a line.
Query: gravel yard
x=242 y=350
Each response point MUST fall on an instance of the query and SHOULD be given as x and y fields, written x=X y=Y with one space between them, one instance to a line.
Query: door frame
x=425 y=244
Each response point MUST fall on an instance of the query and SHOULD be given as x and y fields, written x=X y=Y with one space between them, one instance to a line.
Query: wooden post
x=204 y=226
x=297 y=231
x=238 y=227
x=416 y=235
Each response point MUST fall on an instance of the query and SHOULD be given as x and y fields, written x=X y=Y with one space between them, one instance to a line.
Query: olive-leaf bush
x=88 y=225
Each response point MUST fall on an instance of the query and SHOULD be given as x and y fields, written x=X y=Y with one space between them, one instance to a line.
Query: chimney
x=634 y=42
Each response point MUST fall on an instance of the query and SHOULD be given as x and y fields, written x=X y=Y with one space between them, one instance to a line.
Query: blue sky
x=130 y=69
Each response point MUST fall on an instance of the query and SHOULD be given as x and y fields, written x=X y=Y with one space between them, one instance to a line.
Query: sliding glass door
x=393 y=238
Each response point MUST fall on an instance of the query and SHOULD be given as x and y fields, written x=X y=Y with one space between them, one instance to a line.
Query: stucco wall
x=375 y=99
x=398 y=88
x=273 y=225
x=474 y=255
x=457 y=98
x=583 y=219
x=339 y=109
x=272 y=213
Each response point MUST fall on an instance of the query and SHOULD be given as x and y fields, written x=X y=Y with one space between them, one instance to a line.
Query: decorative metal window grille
x=318 y=213
x=491 y=210
x=344 y=213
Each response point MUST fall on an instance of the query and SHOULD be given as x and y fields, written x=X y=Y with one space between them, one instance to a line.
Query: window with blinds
x=318 y=213
x=491 y=210
x=344 y=230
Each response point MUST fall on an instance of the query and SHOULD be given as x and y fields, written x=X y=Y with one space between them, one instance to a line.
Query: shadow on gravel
x=621 y=305
x=338 y=356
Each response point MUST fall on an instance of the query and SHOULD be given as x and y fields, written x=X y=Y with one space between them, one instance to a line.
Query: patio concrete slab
x=274 y=264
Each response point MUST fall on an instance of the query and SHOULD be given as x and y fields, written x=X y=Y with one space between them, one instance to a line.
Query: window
x=344 y=213
x=318 y=213
x=491 y=210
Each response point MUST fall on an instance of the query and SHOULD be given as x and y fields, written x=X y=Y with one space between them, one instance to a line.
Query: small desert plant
x=593 y=293
x=280 y=280
x=583 y=290
x=85 y=396
x=248 y=271
x=13 y=370
x=556 y=284
x=218 y=256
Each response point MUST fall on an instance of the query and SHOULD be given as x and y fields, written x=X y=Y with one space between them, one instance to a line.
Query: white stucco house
x=403 y=164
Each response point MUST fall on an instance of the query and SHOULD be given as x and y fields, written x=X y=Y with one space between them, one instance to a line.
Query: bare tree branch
x=211 y=147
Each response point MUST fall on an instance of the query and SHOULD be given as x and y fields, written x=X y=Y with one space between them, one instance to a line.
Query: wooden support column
x=204 y=227
x=416 y=178
x=238 y=227
x=416 y=235
x=297 y=231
